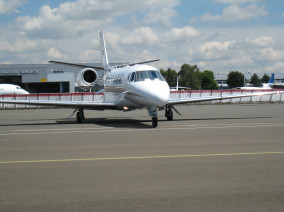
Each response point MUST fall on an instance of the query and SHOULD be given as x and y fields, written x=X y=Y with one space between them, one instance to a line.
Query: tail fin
x=104 y=52
x=271 y=80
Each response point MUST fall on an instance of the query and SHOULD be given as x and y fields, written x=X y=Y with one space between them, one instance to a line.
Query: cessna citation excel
x=126 y=87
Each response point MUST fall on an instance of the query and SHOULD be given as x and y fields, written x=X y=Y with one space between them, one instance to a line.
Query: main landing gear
x=80 y=115
x=169 y=113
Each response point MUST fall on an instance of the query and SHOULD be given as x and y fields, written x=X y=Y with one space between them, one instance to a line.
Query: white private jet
x=126 y=87
x=6 y=89
x=265 y=86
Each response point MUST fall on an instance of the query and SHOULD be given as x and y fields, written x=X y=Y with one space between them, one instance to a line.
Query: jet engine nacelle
x=87 y=78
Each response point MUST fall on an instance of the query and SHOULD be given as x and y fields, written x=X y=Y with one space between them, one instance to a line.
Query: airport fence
x=174 y=95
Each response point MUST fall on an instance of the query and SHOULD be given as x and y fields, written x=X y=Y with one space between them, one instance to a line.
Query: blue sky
x=217 y=35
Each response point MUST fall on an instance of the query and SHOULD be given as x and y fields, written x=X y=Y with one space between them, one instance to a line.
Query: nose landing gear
x=153 y=111
x=154 y=121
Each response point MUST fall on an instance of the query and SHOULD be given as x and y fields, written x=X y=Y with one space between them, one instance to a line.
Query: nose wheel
x=154 y=122
x=153 y=111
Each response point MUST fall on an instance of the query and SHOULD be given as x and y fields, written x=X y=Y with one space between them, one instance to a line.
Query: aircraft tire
x=154 y=122
x=169 y=118
x=169 y=113
x=79 y=117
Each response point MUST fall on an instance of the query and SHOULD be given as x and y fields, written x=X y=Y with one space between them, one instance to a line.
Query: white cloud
x=237 y=13
x=159 y=16
x=215 y=45
x=112 y=39
x=270 y=54
x=71 y=19
x=262 y=41
x=143 y=35
x=278 y=66
x=10 y=6
x=182 y=34
x=89 y=55
x=274 y=68
x=209 y=17
x=258 y=54
x=51 y=24
x=18 y=46
x=52 y=53
x=215 y=50
x=97 y=9
x=237 y=1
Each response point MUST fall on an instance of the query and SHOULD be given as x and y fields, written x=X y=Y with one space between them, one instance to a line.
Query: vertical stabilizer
x=271 y=80
x=104 y=52
x=177 y=84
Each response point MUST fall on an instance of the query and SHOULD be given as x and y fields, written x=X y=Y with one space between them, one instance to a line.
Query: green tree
x=265 y=78
x=170 y=76
x=255 y=80
x=235 y=79
x=190 y=76
x=208 y=80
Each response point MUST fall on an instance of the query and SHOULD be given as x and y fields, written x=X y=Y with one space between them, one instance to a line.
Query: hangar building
x=42 y=78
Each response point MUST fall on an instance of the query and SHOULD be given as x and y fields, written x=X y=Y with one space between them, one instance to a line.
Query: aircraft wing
x=214 y=98
x=100 y=68
x=132 y=64
x=76 y=65
x=68 y=104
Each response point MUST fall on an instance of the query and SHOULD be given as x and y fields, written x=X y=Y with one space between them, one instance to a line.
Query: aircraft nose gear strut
x=154 y=113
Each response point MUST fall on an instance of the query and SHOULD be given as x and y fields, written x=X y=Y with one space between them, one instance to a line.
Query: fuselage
x=137 y=86
x=265 y=87
x=6 y=89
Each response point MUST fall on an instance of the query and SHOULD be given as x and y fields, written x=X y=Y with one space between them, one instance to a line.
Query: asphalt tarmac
x=213 y=158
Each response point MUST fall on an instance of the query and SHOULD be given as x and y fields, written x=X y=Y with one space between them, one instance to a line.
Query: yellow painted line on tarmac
x=142 y=157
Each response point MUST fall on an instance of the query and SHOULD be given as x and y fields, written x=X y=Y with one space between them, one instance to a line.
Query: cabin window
x=156 y=75
x=131 y=77
x=143 y=75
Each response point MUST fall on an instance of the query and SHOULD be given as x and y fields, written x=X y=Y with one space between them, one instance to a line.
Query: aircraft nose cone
x=162 y=98
x=161 y=95
x=24 y=92
x=151 y=93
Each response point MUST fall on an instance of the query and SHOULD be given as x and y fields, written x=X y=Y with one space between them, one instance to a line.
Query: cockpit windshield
x=139 y=76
